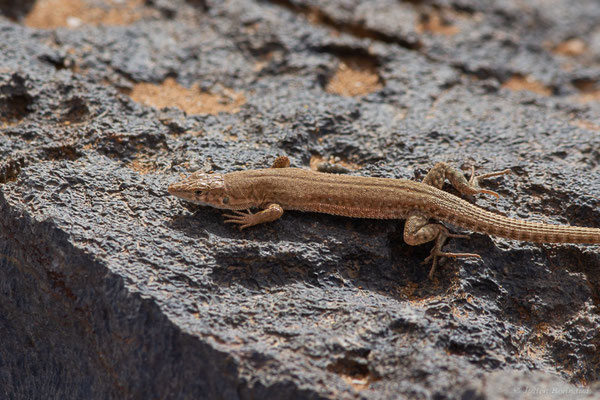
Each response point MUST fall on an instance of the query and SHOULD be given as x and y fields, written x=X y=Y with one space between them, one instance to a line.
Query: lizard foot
x=437 y=252
x=244 y=219
x=474 y=180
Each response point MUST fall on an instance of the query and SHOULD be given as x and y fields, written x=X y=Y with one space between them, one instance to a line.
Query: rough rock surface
x=111 y=288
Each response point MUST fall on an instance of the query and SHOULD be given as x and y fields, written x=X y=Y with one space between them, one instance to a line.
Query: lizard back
x=386 y=198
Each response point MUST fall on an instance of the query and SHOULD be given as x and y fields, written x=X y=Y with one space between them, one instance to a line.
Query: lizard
x=282 y=187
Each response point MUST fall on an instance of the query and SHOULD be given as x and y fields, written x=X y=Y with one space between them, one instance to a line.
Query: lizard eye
x=199 y=192
x=225 y=200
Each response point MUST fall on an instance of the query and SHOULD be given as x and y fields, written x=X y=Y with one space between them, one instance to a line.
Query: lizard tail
x=483 y=221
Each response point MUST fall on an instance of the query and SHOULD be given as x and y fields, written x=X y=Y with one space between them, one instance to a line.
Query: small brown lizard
x=284 y=188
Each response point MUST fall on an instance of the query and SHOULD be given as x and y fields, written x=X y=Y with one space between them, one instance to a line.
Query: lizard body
x=284 y=188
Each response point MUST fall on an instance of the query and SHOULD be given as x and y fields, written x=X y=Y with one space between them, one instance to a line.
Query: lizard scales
x=385 y=198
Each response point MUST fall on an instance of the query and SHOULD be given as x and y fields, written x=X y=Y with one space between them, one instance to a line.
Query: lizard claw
x=238 y=212
x=474 y=180
x=435 y=254
x=436 y=251
x=244 y=219
x=247 y=218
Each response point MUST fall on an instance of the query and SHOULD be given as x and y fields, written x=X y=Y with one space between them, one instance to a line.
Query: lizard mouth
x=176 y=189
x=181 y=190
x=173 y=189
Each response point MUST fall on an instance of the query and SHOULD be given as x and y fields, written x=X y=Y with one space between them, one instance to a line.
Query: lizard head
x=201 y=188
x=207 y=190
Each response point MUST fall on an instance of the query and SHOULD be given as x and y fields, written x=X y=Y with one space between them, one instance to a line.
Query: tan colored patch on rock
x=6 y=125
x=520 y=83
x=357 y=383
x=354 y=373
x=319 y=163
x=435 y=24
x=585 y=124
x=142 y=165
x=572 y=47
x=354 y=77
x=588 y=97
x=589 y=91
x=192 y=101
x=50 y=14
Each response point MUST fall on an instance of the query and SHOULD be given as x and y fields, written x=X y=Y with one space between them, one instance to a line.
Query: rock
x=111 y=288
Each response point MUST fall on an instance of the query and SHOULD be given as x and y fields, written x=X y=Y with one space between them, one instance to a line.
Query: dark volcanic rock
x=111 y=288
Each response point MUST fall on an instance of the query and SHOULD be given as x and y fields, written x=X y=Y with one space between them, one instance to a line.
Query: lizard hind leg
x=418 y=230
x=442 y=171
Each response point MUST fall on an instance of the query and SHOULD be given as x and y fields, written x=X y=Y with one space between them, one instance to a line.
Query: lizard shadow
x=318 y=250
x=312 y=247
x=326 y=250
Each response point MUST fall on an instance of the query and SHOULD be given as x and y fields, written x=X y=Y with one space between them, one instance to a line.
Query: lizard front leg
x=246 y=219
x=418 y=230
